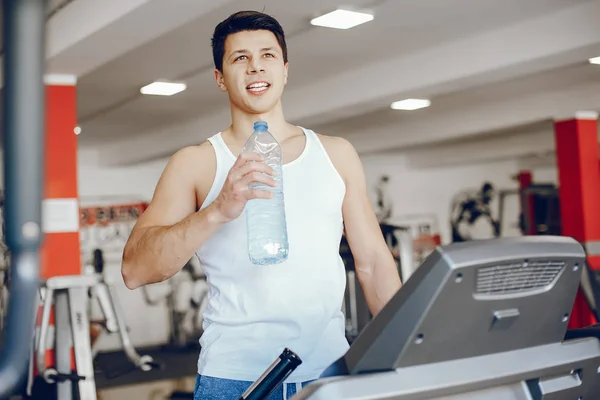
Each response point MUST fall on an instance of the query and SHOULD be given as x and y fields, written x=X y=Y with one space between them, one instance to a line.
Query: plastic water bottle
x=265 y=218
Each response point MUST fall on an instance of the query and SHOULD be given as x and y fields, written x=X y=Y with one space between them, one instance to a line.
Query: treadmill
x=483 y=319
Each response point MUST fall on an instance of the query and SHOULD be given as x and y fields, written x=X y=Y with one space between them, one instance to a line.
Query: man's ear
x=285 y=76
x=220 y=81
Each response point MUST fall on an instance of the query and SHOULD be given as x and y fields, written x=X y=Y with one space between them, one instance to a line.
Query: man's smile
x=258 y=87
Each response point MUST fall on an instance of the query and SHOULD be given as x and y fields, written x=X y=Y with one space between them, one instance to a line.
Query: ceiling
x=486 y=65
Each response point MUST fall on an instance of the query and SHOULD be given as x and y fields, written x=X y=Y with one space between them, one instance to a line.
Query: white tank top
x=254 y=312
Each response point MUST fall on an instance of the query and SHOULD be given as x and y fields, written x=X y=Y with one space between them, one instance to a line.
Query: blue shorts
x=209 y=388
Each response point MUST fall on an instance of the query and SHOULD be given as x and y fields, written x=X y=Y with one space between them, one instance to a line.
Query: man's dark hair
x=244 y=21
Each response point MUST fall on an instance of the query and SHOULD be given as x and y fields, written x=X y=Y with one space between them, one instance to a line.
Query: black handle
x=73 y=377
x=24 y=26
x=273 y=377
x=98 y=261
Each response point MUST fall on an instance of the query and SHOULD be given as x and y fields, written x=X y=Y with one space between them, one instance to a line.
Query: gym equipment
x=69 y=295
x=185 y=299
x=114 y=321
x=540 y=214
x=106 y=221
x=540 y=209
x=273 y=376
x=467 y=208
x=477 y=320
x=355 y=306
x=23 y=128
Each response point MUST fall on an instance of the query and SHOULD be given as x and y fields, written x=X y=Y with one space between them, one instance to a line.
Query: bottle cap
x=261 y=125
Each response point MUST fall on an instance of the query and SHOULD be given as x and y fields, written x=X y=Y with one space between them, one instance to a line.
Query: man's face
x=254 y=73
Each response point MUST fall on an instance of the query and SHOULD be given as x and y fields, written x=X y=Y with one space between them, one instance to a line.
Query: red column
x=579 y=182
x=525 y=180
x=60 y=250
x=60 y=253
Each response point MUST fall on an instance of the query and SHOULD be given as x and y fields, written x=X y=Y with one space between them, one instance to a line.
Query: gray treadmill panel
x=471 y=299
x=477 y=320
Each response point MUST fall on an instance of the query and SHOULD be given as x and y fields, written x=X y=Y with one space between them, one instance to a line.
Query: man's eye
x=240 y=57
x=269 y=55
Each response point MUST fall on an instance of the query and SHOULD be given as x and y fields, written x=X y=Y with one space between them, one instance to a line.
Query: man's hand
x=249 y=168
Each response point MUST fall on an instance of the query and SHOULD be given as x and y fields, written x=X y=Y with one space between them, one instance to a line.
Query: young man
x=254 y=312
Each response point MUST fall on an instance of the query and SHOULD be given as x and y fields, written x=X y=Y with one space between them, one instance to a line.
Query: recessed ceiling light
x=163 y=88
x=77 y=130
x=595 y=60
x=342 y=19
x=410 y=104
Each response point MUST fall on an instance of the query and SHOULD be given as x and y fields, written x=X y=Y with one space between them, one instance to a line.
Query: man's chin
x=260 y=107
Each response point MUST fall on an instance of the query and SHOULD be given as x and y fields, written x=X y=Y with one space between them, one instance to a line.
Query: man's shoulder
x=201 y=153
x=197 y=164
x=189 y=160
x=341 y=152
x=335 y=143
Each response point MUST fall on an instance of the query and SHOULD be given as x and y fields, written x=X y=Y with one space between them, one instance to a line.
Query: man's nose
x=255 y=65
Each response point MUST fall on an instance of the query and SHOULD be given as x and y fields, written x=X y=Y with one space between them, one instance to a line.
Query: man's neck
x=242 y=123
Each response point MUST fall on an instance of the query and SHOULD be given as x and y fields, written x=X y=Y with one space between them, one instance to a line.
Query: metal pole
x=23 y=124
x=407 y=259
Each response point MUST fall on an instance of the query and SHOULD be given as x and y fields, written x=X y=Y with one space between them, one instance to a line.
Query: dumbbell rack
x=69 y=296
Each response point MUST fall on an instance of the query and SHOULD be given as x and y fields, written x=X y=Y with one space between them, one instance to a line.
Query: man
x=197 y=209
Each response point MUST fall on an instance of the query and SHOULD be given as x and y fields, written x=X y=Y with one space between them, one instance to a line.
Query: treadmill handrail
x=23 y=123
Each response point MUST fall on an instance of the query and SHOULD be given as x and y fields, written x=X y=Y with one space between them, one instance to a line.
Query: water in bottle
x=265 y=218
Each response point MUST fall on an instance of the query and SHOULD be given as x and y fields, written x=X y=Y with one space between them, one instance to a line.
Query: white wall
x=431 y=190
x=135 y=181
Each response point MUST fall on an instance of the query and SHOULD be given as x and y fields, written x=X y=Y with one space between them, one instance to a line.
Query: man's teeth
x=258 y=86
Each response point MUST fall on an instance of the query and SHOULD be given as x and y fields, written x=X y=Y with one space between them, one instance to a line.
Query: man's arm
x=375 y=266
x=168 y=233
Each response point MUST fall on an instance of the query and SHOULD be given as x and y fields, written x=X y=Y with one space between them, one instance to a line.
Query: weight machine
x=185 y=298
x=71 y=296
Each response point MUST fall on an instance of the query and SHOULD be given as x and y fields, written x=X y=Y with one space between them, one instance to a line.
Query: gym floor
x=177 y=374
x=156 y=390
